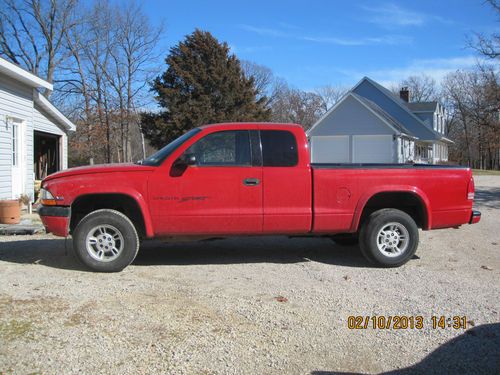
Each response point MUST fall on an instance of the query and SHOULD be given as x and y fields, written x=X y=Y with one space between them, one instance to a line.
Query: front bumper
x=475 y=217
x=55 y=219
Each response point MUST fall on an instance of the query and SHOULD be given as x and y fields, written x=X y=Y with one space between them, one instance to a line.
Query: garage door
x=330 y=149
x=372 y=149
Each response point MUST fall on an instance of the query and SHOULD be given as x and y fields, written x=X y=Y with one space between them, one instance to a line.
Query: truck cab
x=234 y=179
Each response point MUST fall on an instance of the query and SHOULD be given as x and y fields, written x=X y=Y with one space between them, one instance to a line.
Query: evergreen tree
x=203 y=84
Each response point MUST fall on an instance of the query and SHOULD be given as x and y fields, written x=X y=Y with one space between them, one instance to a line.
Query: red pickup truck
x=251 y=179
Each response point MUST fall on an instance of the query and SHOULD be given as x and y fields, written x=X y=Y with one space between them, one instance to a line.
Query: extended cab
x=251 y=179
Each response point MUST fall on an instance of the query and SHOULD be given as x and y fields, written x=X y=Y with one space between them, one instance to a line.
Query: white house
x=33 y=133
x=372 y=125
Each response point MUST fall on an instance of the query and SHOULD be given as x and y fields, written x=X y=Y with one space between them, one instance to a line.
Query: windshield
x=158 y=157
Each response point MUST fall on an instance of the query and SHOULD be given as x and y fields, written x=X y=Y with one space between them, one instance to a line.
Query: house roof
x=416 y=126
x=415 y=129
x=387 y=119
x=48 y=107
x=422 y=106
x=19 y=74
x=383 y=114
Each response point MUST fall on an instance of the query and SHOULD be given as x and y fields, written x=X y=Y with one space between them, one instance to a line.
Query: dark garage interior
x=46 y=154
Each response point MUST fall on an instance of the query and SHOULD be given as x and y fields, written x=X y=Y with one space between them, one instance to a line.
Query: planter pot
x=10 y=212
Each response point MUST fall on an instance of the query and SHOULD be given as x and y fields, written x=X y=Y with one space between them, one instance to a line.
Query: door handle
x=251 y=181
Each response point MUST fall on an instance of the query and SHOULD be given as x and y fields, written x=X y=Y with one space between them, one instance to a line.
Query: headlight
x=46 y=198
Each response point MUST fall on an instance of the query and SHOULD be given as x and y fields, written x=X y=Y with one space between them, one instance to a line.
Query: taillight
x=470 y=189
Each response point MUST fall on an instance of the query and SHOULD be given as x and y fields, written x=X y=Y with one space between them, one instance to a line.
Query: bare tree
x=456 y=94
x=487 y=45
x=133 y=56
x=113 y=58
x=263 y=76
x=473 y=100
x=330 y=95
x=32 y=33
x=423 y=88
x=296 y=106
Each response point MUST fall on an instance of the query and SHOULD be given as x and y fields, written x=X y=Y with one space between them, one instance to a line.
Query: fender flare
x=363 y=200
x=131 y=193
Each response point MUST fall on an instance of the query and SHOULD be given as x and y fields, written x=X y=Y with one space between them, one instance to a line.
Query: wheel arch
x=408 y=199
x=132 y=207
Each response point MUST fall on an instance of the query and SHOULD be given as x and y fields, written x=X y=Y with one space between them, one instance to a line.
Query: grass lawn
x=483 y=172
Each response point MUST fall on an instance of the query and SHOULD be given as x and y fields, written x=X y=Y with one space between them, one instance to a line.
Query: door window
x=227 y=148
x=279 y=148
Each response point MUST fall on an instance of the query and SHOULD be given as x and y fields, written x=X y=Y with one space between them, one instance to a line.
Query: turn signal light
x=46 y=198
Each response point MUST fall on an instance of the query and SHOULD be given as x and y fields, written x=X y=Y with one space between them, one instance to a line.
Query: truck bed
x=341 y=192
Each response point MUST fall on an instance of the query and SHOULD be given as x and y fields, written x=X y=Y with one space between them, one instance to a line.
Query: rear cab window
x=279 y=148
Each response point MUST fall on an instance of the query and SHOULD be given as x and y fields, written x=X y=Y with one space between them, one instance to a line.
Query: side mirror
x=180 y=165
x=185 y=160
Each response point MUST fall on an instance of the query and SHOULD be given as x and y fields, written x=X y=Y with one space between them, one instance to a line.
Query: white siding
x=16 y=100
x=45 y=124
x=5 y=158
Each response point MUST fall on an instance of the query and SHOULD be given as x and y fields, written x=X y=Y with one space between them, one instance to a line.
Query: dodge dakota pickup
x=251 y=179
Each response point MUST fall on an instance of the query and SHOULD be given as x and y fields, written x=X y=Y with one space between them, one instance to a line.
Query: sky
x=317 y=42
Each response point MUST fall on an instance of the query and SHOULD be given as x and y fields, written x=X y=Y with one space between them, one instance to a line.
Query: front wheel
x=389 y=238
x=106 y=241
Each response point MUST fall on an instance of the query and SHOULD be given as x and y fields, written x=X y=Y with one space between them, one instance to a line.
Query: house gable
x=350 y=116
x=395 y=107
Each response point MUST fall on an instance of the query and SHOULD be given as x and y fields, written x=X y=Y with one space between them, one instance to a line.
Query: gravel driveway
x=261 y=305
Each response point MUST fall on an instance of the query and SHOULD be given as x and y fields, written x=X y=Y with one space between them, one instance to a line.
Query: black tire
x=345 y=239
x=112 y=228
x=369 y=237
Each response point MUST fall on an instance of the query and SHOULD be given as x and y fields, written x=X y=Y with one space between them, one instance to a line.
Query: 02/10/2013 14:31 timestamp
x=406 y=322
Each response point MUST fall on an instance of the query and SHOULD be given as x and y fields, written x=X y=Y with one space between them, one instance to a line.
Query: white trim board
x=19 y=74
x=44 y=103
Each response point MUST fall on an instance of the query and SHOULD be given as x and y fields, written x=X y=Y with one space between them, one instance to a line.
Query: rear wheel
x=106 y=241
x=389 y=238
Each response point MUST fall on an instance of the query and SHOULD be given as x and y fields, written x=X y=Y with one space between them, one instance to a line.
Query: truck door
x=287 y=183
x=219 y=193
